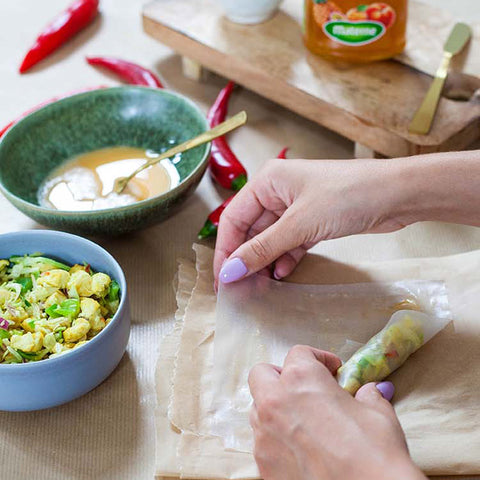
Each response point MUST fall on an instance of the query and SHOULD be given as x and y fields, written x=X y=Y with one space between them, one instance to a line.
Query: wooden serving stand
x=370 y=104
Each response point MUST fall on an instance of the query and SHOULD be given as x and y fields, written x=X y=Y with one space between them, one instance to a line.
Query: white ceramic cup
x=250 y=11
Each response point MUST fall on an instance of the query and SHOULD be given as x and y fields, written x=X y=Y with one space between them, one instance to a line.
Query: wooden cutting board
x=370 y=104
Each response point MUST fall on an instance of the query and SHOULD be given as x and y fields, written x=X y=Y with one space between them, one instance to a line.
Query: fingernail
x=276 y=276
x=232 y=270
x=386 y=389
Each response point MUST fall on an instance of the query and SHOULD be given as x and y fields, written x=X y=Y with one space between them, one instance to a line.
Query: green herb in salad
x=68 y=308
x=26 y=283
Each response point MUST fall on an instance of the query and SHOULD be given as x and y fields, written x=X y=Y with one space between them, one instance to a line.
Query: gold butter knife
x=422 y=121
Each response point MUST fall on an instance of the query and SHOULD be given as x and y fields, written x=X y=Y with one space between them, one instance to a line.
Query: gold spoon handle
x=223 y=128
x=422 y=121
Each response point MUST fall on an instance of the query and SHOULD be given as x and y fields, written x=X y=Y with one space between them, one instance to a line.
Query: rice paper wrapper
x=389 y=349
x=259 y=320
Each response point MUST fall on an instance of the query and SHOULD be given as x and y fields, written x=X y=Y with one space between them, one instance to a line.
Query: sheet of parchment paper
x=167 y=437
x=436 y=397
x=195 y=343
x=259 y=319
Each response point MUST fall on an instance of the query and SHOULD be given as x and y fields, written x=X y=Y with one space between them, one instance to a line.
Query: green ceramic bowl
x=130 y=116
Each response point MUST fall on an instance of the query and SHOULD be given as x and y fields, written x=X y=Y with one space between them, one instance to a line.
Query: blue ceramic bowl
x=51 y=382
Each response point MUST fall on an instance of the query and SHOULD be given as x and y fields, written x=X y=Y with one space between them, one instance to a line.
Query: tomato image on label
x=381 y=12
x=360 y=25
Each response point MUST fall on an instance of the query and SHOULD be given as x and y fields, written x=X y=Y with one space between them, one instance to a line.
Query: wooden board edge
x=460 y=141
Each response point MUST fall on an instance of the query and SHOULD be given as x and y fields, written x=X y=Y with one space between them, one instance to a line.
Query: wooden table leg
x=362 y=151
x=193 y=70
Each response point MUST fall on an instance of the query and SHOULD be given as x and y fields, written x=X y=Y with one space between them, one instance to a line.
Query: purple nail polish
x=386 y=389
x=232 y=270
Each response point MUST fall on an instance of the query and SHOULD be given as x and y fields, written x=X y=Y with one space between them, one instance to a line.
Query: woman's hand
x=307 y=427
x=293 y=204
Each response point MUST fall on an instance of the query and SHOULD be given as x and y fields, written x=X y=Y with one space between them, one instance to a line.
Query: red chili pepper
x=225 y=167
x=40 y=105
x=283 y=153
x=211 y=225
x=218 y=111
x=130 y=72
x=76 y=17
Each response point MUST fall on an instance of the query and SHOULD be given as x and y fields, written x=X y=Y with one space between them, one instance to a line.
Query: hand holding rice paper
x=403 y=335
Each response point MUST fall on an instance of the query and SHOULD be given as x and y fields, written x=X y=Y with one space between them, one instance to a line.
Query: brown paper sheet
x=167 y=437
x=436 y=393
x=195 y=346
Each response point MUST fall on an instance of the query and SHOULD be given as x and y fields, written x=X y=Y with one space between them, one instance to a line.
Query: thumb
x=263 y=249
x=377 y=395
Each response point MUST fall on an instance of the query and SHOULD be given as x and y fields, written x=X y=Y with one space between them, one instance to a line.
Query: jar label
x=358 y=26
x=354 y=33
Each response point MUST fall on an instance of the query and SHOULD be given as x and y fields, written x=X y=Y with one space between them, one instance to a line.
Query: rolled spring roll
x=404 y=334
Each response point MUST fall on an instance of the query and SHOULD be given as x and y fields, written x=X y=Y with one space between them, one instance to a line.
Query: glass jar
x=355 y=31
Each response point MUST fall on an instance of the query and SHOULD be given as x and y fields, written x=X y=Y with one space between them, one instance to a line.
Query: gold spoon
x=221 y=129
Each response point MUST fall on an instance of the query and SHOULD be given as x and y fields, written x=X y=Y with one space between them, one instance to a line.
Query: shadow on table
x=92 y=435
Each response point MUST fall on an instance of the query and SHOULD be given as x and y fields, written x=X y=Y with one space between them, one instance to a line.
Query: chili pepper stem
x=239 y=182
x=207 y=231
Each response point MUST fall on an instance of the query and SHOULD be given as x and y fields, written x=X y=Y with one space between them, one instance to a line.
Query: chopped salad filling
x=48 y=308
x=382 y=354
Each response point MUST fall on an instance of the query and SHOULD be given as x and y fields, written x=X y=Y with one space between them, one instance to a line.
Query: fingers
x=235 y=222
x=308 y=356
x=377 y=396
x=266 y=272
x=263 y=249
x=266 y=219
x=285 y=265
x=262 y=379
